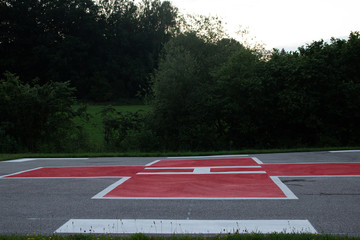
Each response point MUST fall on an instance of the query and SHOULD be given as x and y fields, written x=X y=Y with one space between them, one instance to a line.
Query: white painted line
x=38 y=159
x=322 y=176
x=214 y=156
x=107 y=177
x=21 y=160
x=149 y=164
x=257 y=160
x=199 y=172
x=316 y=163
x=158 y=226
x=195 y=198
x=345 y=151
x=8 y=175
x=101 y=194
x=150 y=168
x=289 y=194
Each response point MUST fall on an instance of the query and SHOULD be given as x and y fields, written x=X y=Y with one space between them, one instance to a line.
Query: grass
x=4 y=157
x=95 y=131
x=94 y=128
x=274 y=236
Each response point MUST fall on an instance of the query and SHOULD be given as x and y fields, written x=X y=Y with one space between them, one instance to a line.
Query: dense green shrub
x=127 y=131
x=38 y=117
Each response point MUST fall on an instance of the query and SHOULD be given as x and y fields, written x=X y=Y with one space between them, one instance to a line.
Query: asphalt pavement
x=330 y=205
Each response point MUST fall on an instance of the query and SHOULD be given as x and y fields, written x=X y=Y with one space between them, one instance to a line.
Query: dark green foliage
x=38 y=117
x=106 y=49
x=210 y=95
x=185 y=108
x=127 y=131
x=208 y=92
x=317 y=100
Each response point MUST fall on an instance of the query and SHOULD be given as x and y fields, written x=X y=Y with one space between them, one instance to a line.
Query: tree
x=106 y=49
x=38 y=117
x=185 y=108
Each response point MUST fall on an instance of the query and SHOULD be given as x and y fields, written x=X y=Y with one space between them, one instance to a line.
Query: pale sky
x=282 y=23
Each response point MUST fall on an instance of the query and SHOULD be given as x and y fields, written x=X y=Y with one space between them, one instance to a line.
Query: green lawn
x=94 y=127
x=10 y=156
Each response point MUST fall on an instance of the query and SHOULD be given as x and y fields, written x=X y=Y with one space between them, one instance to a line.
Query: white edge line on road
x=344 y=151
x=21 y=160
x=8 y=175
x=214 y=156
x=173 y=226
x=321 y=176
x=101 y=194
x=308 y=163
x=289 y=194
x=38 y=159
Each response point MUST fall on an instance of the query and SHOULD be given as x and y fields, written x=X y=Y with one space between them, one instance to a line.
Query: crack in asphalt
x=333 y=194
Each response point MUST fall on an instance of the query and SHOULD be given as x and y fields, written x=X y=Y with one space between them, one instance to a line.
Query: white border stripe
x=214 y=156
x=149 y=164
x=289 y=194
x=151 y=168
x=257 y=160
x=38 y=159
x=196 y=198
x=21 y=160
x=196 y=173
x=344 y=151
x=105 y=177
x=101 y=194
x=8 y=175
x=168 y=226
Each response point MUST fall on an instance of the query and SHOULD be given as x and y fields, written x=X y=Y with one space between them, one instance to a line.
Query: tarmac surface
x=329 y=204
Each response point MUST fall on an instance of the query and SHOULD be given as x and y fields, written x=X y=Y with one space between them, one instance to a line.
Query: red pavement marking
x=70 y=172
x=218 y=183
x=198 y=186
x=313 y=169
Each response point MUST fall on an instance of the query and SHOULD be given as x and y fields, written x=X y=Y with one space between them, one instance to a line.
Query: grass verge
x=219 y=237
x=4 y=157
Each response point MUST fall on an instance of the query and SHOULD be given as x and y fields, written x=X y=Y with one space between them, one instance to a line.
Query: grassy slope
x=94 y=128
x=4 y=157
x=95 y=131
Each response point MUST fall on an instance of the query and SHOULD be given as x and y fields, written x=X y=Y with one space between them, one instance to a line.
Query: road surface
x=213 y=194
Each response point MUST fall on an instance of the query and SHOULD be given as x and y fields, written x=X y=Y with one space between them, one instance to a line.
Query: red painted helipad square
x=199 y=186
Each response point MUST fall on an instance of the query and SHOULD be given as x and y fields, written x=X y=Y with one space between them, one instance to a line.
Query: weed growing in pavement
x=254 y=236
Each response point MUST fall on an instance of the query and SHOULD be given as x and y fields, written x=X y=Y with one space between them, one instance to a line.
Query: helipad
x=227 y=178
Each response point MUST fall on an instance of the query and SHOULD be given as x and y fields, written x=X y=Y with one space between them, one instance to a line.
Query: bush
x=38 y=117
x=128 y=131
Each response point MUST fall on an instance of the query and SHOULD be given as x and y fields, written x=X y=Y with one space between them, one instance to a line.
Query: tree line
x=218 y=95
x=105 y=48
x=207 y=91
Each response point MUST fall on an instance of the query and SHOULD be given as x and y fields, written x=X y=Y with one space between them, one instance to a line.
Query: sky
x=286 y=24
